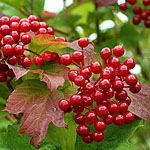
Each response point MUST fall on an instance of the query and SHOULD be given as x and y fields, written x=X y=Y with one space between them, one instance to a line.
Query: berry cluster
x=14 y=36
x=140 y=14
x=106 y=100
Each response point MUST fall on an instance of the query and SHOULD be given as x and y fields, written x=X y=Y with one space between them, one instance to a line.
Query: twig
x=31 y=6
x=76 y=64
x=31 y=51
x=97 y=80
x=23 y=13
x=26 y=10
x=83 y=58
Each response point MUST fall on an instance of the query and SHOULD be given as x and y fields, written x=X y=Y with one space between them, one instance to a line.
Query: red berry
x=104 y=102
x=79 y=80
x=19 y=49
x=72 y=74
x=101 y=111
x=65 y=59
x=5 y=20
x=123 y=107
x=15 y=35
x=109 y=93
x=64 y=105
x=118 y=85
x=3 y=77
x=106 y=53
x=83 y=42
x=5 y=29
x=35 y=25
x=14 y=19
x=83 y=130
x=8 y=39
x=33 y=18
x=8 y=50
x=128 y=100
x=42 y=31
x=90 y=117
x=86 y=73
x=87 y=100
x=26 y=61
x=98 y=96
x=116 y=77
x=13 y=60
x=144 y=15
x=108 y=119
x=136 y=88
x=146 y=2
x=147 y=23
x=23 y=20
x=104 y=84
x=131 y=79
x=47 y=56
x=76 y=100
x=1 y=36
x=87 y=139
x=14 y=26
x=38 y=60
x=62 y=39
x=123 y=70
x=121 y=95
x=114 y=62
x=123 y=6
x=25 y=27
x=3 y=67
x=130 y=63
x=78 y=109
x=108 y=73
x=77 y=56
x=10 y=73
x=118 y=50
x=136 y=19
x=43 y=25
x=137 y=10
x=89 y=88
x=98 y=136
x=113 y=108
x=55 y=57
x=119 y=120
x=129 y=117
x=50 y=30
x=100 y=126
x=132 y=2
x=96 y=67
x=25 y=39
x=79 y=119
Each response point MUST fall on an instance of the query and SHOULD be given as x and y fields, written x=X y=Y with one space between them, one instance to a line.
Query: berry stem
x=31 y=51
x=23 y=13
x=9 y=85
x=76 y=64
x=31 y=6
x=97 y=80
x=83 y=58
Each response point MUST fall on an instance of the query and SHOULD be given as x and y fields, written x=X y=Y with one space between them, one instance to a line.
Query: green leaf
x=116 y=138
x=12 y=141
x=4 y=91
x=65 y=138
x=15 y=3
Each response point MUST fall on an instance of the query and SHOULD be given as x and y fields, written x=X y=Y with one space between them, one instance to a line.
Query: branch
x=23 y=13
x=32 y=52
x=31 y=6
x=29 y=12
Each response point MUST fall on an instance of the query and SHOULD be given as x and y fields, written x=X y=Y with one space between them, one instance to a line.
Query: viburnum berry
x=118 y=85
x=113 y=108
x=128 y=100
x=42 y=31
x=123 y=6
x=3 y=77
x=147 y=23
x=14 y=26
x=123 y=70
x=5 y=29
x=131 y=79
x=62 y=39
x=98 y=95
x=108 y=119
x=3 y=67
x=123 y=107
x=104 y=102
x=83 y=42
x=14 y=19
x=25 y=27
x=33 y=18
x=108 y=73
x=47 y=56
x=26 y=61
x=78 y=109
x=79 y=80
x=10 y=73
x=8 y=39
x=83 y=130
x=121 y=95
x=129 y=117
x=79 y=119
x=50 y=31
x=55 y=57
x=96 y=67
x=77 y=56
x=87 y=139
x=25 y=39
x=35 y=25
x=5 y=20
x=43 y=25
x=136 y=88
x=15 y=35
x=13 y=60
x=38 y=60
x=136 y=19
x=119 y=120
x=109 y=93
x=89 y=88
x=114 y=62
x=118 y=51
x=72 y=74
x=98 y=136
x=87 y=100
x=101 y=111
x=86 y=73
x=144 y=15
x=132 y=2
x=8 y=50
x=23 y=20
x=66 y=59
x=130 y=63
x=146 y=2
x=90 y=117
x=106 y=53
x=137 y=10
x=76 y=100
x=104 y=84
x=100 y=125
x=19 y=49
x=64 y=105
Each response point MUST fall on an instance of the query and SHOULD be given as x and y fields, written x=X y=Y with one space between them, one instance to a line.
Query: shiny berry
x=8 y=39
x=137 y=10
x=108 y=72
x=5 y=20
x=96 y=67
x=121 y=95
x=118 y=85
x=55 y=57
x=86 y=73
x=89 y=88
x=50 y=31
x=119 y=120
x=65 y=59
x=14 y=26
x=146 y=2
x=100 y=126
x=129 y=117
x=123 y=6
x=25 y=27
x=19 y=49
x=47 y=56
x=76 y=100
x=5 y=29
x=90 y=117
x=109 y=93
x=106 y=53
x=87 y=100
x=12 y=60
x=132 y=2
x=25 y=39
x=64 y=105
x=98 y=136
x=35 y=25
x=136 y=20
x=114 y=62
x=98 y=96
x=38 y=60
x=83 y=42
x=144 y=15
x=79 y=119
x=77 y=56
x=136 y=88
x=130 y=63
x=123 y=70
x=14 y=19
x=118 y=50
x=26 y=62
x=43 y=25
x=131 y=79
x=128 y=100
x=8 y=50
x=72 y=74
x=147 y=23
x=108 y=119
x=42 y=31
x=113 y=108
x=123 y=107
x=33 y=18
x=101 y=111
x=15 y=35
x=104 y=84
x=87 y=139
x=83 y=130
x=79 y=80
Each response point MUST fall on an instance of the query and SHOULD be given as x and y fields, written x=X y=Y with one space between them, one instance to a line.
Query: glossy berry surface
x=90 y=117
x=26 y=62
x=97 y=136
x=77 y=56
x=65 y=60
x=38 y=60
x=64 y=105
x=83 y=130
x=106 y=53
x=83 y=42
x=119 y=120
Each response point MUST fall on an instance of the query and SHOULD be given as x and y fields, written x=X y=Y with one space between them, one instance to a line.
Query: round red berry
x=50 y=31
x=38 y=60
x=104 y=84
x=106 y=53
x=100 y=126
x=87 y=100
x=25 y=39
x=113 y=108
x=5 y=20
x=19 y=49
x=146 y=2
x=137 y=10
x=109 y=93
x=14 y=26
x=132 y=2
x=72 y=74
x=15 y=35
x=79 y=80
x=118 y=50
x=123 y=107
x=89 y=88
x=87 y=139
x=96 y=67
x=62 y=39
x=128 y=100
x=43 y=25
x=14 y=19
x=108 y=73
x=123 y=70
x=131 y=79
x=136 y=88
x=129 y=117
x=55 y=57
x=76 y=100
x=136 y=20
x=35 y=25
x=10 y=73
x=3 y=77
x=25 y=27
x=33 y=18
x=123 y=6
x=8 y=50
x=83 y=42
x=86 y=73
x=114 y=62
x=79 y=119
x=147 y=23
x=101 y=111
x=65 y=59
x=64 y=105
x=98 y=136
x=118 y=85
x=121 y=95
x=108 y=119
x=90 y=117
x=13 y=60
x=5 y=29
x=144 y=15
x=47 y=56
x=83 y=130
x=26 y=62
x=130 y=63
x=42 y=31
x=119 y=120
x=98 y=96
x=77 y=56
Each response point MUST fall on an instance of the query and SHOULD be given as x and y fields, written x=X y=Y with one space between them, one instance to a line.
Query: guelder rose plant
x=48 y=89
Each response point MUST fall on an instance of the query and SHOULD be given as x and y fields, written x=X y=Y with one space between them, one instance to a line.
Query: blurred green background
x=105 y=26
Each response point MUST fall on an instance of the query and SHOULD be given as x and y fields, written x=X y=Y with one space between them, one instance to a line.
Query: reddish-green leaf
x=39 y=106
x=140 y=105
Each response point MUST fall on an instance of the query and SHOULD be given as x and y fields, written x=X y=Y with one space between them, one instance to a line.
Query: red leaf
x=140 y=105
x=39 y=106
x=20 y=72
x=105 y=2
